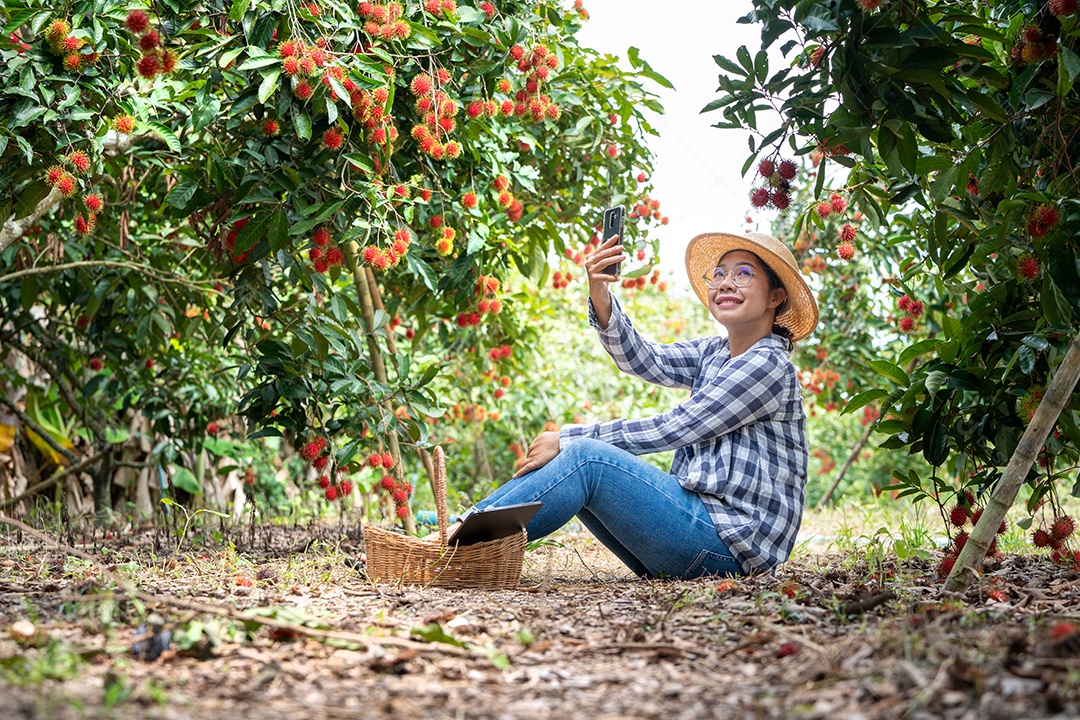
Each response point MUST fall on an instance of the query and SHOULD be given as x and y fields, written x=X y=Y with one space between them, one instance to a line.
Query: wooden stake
x=1057 y=396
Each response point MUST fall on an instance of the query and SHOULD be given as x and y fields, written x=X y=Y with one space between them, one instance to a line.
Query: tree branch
x=49 y=482
x=142 y=269
x=13 y=229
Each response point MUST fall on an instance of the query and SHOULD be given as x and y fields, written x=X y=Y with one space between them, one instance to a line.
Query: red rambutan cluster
x=384 y=21
x=912 y=309
x=395 y=494
x=1034 y=46
x=155 y=59
x=1042 y=220
x=777 y=188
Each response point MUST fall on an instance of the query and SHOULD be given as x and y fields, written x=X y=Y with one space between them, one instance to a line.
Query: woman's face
x=744 y=307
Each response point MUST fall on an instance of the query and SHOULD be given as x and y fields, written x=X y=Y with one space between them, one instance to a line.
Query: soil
x=829 y=636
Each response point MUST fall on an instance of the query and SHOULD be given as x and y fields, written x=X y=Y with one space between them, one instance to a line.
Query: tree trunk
x=847 y=466
x=1057 y=396
x=103 y=482
x=368 y=295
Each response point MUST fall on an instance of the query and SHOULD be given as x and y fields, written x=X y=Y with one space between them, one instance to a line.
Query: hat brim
x=705 y=250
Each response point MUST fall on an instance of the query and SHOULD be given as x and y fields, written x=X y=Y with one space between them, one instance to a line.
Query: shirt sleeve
x=674 y=365
x=748 y=389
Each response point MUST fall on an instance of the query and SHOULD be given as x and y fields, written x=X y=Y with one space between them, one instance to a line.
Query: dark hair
x=774 y=284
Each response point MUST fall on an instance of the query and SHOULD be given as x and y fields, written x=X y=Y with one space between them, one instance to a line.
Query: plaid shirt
x=740 y=438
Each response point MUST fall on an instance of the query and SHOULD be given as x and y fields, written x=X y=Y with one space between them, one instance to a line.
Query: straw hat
x=704 y=252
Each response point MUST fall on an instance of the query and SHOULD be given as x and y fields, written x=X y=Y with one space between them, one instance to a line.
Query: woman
x=733 y=500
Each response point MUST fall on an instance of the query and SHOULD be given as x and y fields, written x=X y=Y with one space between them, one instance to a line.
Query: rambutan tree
x=257 y=193
x=951 y=127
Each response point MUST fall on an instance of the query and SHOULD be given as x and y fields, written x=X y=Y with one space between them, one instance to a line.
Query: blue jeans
x=641 y=513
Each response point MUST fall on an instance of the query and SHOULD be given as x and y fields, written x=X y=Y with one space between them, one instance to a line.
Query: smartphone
x=613 y=225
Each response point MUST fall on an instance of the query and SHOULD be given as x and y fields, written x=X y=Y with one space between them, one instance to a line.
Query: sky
x=697 y=173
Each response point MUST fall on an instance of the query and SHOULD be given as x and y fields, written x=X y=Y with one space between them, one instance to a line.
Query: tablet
x=493 y=523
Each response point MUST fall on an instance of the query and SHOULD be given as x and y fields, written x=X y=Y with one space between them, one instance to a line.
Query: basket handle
x=439 y=482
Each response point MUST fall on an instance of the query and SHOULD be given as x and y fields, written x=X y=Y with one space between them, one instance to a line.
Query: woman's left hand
x=542 y=451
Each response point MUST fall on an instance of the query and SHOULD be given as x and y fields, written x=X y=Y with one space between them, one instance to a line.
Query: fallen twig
x=858 y=607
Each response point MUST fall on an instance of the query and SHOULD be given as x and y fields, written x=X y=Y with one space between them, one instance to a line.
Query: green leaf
x=863 y=399
x=19 y=19
x=236 y=13
x=892 y=372
x=269 y=85
x=936 y=443
x=934 y=380
x=987 y=106
x=421 y=268
x=302 y=123
x=1071 y=62
x=1055 y=306
x=204 y=113
x=434 y=632
x=728 y=65
x=259 y=62
x=920 y=348
x=361 y=161
x=252 y=233
x=182 y=479
x=278 y=233
x=167 y=135
x=181 y=195
x=228 y=57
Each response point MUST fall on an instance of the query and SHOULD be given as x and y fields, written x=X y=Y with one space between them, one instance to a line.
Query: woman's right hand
x=608 y=253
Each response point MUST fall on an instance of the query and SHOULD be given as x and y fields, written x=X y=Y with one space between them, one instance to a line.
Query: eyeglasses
x=740 y=275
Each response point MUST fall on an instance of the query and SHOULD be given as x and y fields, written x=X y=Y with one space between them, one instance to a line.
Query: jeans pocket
x=712 y=563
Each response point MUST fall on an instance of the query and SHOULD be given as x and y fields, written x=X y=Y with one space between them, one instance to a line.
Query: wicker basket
x=396 y=558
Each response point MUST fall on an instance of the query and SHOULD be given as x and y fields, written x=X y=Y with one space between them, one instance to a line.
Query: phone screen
x=613 y=225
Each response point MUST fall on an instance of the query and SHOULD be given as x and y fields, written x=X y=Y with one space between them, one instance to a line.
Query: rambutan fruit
x=760 y=197
x=57 y=30
x=137 y=22
x=66 y=185
x=333 y=138
x=824 y=209
x=331 y=492
x=845 y=251
x=149 y=41
x=335 y=257
x=1062 y=7
x=53 y=175
x=958 y=516
x=309 y=451
x=303 y=90
x=290 y=66
x=916 y=308
x=907 y=324
x=72 y=62
x=270 y=128
x=1062 y=528
x=766 y=168
x=148 y=66
x=93 y=203
x=847 y=233
x=946 y=565
x=1028 y=267
x=838 y=203
x=780 y=200
x=1040 y=538
x=469 y=200
x=79 y=160
x=787 y=169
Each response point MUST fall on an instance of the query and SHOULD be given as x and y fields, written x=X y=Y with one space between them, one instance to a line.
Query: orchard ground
x=848 y=628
